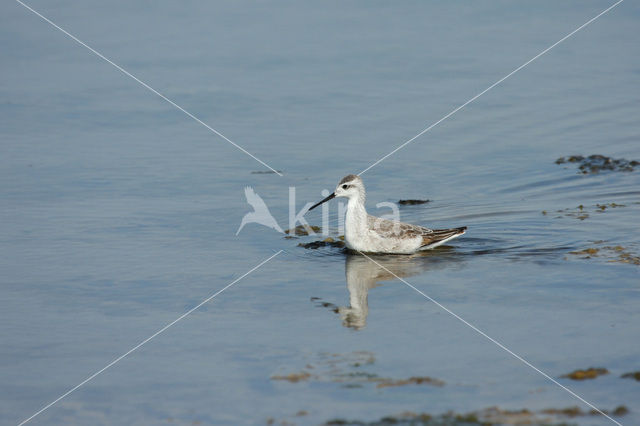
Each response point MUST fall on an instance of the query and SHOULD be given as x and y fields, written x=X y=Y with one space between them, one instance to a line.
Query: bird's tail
x=441 y=236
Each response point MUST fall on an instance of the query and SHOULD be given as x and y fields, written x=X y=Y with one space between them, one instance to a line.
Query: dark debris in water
x=334 y=367
x=589 y=373
x=603 y=207
x=578 y=213
x=410 y=381
x=572 y=412
x=588 y=252
x=412 y=202
x=632 y=375
x=350 y=370
x=320 y=304
x=327 y=242
x=582 y=212
x=302 y=230
x=487 y=417
x=266 y=172
x=566 y=412
x=620 y=410
x=353 y=371
x=597 y=163
x=293 y=377
x=613 y=254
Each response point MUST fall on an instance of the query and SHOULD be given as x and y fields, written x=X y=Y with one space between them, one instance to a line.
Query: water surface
x=118 y=213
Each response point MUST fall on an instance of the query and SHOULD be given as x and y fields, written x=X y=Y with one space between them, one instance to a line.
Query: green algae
x=492 y=416
x=302 y=230
x=410 y=381
x=612 y=254
x=632 y=375
x=587 y=374
x=599 y=163
x=351 y=371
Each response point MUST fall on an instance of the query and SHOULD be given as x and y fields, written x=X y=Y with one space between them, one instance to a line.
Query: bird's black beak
x=333 y=195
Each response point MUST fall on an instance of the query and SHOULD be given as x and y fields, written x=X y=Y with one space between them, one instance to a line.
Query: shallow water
x=118 y=213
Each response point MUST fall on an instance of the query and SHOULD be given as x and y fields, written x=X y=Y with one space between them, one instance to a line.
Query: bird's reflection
x=362 y=275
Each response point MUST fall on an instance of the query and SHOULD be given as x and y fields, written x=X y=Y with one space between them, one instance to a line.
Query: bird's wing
x=393 y=229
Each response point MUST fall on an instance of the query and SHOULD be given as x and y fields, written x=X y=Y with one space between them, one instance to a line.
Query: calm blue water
x=118 y=213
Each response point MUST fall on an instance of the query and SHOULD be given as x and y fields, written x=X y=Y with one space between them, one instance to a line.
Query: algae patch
x=581 y=212
x=603 y=207
x=302 y=230
x=266 y=172
x=327 y=242
x=613 y=254
x=410 y=381
x=598 y=163
x=350 y=370
x=589 y=373
x=486 y=417
x=591 y=251
x=293 y=377
x=572 y=412
x=632 y=375
x=412 y=202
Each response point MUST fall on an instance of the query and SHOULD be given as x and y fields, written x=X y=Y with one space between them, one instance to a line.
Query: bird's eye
x=345 y=186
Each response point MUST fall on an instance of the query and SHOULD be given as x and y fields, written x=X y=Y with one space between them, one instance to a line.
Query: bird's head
x=350 y=187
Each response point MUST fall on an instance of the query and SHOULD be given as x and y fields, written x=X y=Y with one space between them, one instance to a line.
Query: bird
x=370 y=234
x=260 y=213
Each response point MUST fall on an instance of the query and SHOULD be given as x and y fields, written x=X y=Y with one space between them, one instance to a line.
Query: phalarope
x=371 y=234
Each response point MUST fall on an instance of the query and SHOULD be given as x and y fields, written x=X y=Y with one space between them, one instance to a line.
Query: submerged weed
x=633 y=375
x=487 y=417
x=302 y=230
x=589 y=373
x=412 y=202
x=613 y=254
x=598 y=163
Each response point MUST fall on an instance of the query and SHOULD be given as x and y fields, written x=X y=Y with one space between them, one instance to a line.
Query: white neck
x=356 y=220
